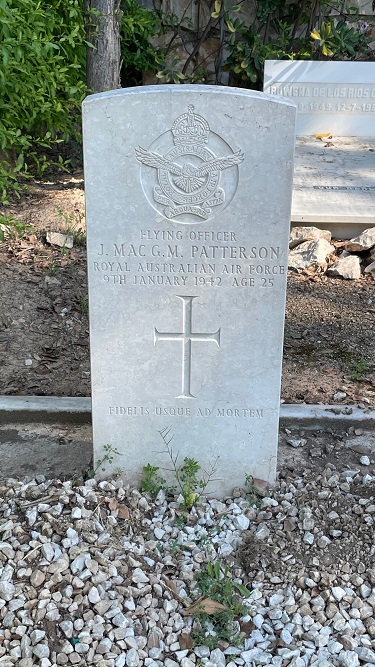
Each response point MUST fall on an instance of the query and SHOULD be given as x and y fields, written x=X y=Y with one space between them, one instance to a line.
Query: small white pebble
x=364 y=460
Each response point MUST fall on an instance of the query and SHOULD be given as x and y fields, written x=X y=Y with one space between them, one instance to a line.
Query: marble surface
x=334 y=184
x=365 y=7
x=335 y=97
x=188 y=194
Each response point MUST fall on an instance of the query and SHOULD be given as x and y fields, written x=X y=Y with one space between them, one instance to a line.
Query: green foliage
x=72 y=224
x=337 y=39
x=10 y=227
x=138 y=26
x=42 y=83
x=191 y=486
x=109 y=454
x=215 y=583
x=83 y=305
x=141 y=30
x=252 y=493
x=283 y=30
x=248 y=52
x=151 y=482
x=172 y=72
x=43 y=54
x=359 y=368
x=190 y=483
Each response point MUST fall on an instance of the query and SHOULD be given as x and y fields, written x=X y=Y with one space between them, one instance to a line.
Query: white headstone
x=188 y=192
x=331 y=97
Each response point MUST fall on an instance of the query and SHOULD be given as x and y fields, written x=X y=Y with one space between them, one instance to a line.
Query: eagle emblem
x=188 y=175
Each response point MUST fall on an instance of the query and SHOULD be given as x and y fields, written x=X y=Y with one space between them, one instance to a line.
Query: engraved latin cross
x=186 y=337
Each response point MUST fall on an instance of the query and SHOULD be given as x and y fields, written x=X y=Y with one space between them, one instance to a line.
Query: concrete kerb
x=321 y=417
x=75 y=411
x=45 y=409
x=52 y=436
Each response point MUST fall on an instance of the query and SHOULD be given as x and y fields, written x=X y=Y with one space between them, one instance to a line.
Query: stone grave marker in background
x=332 y=97
x=334 y=184
x=188 y=192
x=334 y=178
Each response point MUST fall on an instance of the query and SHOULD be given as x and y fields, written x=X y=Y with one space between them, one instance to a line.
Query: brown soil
x=44 y=342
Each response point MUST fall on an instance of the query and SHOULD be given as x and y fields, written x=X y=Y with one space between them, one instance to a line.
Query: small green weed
x=160 y=548
x=151 y=481
x=187 y=475
x=83 y=305
x=359 y=369
x=189 y=483
x=181 y=520
x=109 y=454
x=174 y=547
x=11 y=227
x=73 y=226
x=214 y=582
x=252 y=493
x=51 y=267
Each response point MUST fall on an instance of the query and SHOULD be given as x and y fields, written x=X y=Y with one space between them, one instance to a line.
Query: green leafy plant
x=73 y=225
x=337 y=39
x=147 y=45
x=43 y=56
x=42 y=83
x=83 y=305
x=160 y=547
x=190 y=485
x=138 y=26
x=174 y=547
x=189 y=481
x=218 y=622
x=252 y=493
x=280 y=29
x=10 y=227
x=109 y=454
x=151 y=482
x=172 y=72
x=359 y=369
x=181 y=520
x=285 y=30
x=187 y=474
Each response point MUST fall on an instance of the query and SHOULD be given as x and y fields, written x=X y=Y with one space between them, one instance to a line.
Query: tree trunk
x=104 y=60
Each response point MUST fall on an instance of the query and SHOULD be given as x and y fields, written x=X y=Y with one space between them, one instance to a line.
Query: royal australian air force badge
x=189 y=171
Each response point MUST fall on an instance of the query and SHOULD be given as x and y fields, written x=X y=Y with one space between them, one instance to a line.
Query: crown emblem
x=189 y=177
x=190 y=128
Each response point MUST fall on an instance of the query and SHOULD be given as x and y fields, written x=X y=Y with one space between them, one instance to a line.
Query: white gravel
x=80 y=586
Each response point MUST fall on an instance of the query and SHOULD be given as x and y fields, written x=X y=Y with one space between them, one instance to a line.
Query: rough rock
x=364 y=241
x=348 y=268
x=370 y=268
x=310 y=254
x=300 y=235
x=61 y=240
x=7 y=590
x=303 y=550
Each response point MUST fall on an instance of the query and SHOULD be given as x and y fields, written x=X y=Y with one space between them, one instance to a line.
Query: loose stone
x=7 y=590
x=36 y=636
x=132 y=659
x=41 y=651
